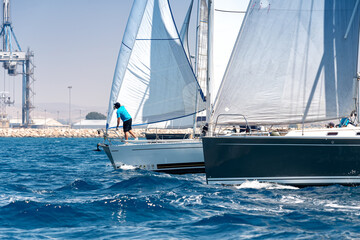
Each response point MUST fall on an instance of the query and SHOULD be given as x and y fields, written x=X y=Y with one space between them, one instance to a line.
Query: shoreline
x=49 y=133
x=75 y=133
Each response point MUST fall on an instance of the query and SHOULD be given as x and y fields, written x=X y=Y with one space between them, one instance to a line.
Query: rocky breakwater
x=50 y=133
x=79 y=133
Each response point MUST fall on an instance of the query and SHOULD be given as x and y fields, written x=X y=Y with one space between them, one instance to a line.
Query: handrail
x=121 y=138
x=239 y=115
x=106 y=135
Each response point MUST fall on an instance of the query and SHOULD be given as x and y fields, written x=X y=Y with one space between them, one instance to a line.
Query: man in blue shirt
x=126 y=118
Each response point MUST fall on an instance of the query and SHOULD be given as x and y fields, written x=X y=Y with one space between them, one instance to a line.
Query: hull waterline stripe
x=297 y=177
x=289 y=144
x=172 y=148
x=181 y=165
x=290 y=180
x=182 y=170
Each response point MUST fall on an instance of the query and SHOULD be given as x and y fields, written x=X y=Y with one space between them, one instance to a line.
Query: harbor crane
x=13 y=57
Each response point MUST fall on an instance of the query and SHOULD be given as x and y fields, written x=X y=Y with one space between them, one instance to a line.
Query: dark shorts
x=127 y=125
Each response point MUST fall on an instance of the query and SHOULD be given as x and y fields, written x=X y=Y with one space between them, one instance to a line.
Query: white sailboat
x=155 y=81
x=294 y=62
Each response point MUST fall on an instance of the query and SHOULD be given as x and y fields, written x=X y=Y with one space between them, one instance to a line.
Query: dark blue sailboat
x=294 y=62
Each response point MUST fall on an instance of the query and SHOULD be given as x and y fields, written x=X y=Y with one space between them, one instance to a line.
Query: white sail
x=228 y=17
x=153 y=78
x=201 y=51
x=185 y=30
x=202 y=33
x=292 y=63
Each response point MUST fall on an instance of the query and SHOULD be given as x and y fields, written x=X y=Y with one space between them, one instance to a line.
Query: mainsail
x=153 y=78
x=292 y=62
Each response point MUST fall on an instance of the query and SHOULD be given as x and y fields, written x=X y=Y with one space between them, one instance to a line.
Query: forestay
x=292 y=63
x=153 y=78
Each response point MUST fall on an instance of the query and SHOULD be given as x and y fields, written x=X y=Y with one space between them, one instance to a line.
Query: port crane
x=12 y=58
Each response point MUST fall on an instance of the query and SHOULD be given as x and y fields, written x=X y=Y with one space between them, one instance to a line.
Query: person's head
x=117 y=105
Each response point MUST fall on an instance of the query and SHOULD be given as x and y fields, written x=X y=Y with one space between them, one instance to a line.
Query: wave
x=32 y=214
x=49 y=191
x=17 y=188
x=147 y=183
x=79 y=185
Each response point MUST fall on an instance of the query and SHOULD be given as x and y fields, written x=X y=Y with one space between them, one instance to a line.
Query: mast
x=357 y=94
x=209 y=66
x=357 y=77
x=196 y=62
x=357 y=98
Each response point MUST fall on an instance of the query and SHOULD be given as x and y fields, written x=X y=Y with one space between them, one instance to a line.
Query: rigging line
x=229 y=11
x=126 y=46
x=351 y=19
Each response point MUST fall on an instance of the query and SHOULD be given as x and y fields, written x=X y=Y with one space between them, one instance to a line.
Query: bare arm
x=118 y=123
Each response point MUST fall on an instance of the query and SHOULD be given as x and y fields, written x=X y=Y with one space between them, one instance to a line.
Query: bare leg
x=132 y=133
x=126 y=135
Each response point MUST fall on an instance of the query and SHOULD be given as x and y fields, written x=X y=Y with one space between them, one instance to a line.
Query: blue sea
x=59 y=188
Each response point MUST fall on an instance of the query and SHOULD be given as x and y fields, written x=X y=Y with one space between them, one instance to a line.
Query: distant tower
x=4 y=100
x=12 y=57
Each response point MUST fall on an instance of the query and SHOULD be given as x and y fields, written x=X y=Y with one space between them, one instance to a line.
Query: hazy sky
x=75 y=43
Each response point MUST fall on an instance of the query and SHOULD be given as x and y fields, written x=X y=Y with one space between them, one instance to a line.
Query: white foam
x=292 y=199
x=189 y=200
x=127 y=167
x=334 y=205
x=6 y=199
x=263 y=185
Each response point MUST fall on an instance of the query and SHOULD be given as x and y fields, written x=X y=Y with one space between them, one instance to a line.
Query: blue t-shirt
x=123 y=114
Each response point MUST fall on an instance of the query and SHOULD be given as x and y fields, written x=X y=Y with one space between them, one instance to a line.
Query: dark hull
x=298 y=161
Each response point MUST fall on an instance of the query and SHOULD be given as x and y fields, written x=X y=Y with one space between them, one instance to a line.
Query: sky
x=75 y=43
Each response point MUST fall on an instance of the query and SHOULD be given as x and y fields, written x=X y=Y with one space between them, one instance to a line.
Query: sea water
x=62 y=189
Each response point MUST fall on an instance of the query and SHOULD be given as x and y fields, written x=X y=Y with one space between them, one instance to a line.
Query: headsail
x=228 y=17
x=153 y=78
x=202 y=39
x=291 y=62
x=185 y=29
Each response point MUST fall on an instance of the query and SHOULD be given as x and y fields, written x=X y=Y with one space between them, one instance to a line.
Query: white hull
x=185 y=156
